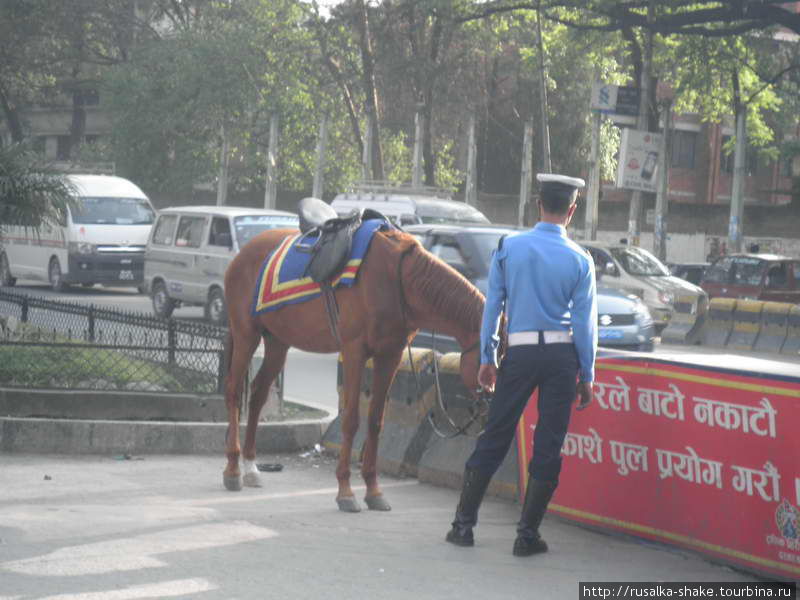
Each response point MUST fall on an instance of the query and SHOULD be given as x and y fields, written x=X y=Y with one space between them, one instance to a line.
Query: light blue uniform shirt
x=545 y=282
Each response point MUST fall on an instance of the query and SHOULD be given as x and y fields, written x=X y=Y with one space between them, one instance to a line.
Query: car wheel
x=163 y=305
x=6 y=280
x=55 y=276
x=216 y=312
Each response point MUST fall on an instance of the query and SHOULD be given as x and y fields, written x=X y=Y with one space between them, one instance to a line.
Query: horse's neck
x=442 y=309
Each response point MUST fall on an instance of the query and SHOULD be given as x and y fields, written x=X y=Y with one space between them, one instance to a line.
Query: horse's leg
x=243 y=348
x=274 y=359
x=384 y=368
x=353 y=359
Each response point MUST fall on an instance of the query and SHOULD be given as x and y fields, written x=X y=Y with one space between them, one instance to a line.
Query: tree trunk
x=12 y=117
x=370 y=89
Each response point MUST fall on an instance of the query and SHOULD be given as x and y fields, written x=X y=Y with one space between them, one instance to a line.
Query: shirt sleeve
x=495 y=301
x=584 y=322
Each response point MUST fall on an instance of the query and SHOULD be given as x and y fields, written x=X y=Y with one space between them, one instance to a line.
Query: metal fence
x=53 y=344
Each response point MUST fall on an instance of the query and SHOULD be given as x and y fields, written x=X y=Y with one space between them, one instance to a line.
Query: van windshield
x=639 y=262
x=432 y=214
x=111 y=211
x=249 y=226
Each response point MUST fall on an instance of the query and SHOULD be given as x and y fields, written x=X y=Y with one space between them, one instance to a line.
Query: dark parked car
x=691 y=272
x=624 y=321
x=755 y=277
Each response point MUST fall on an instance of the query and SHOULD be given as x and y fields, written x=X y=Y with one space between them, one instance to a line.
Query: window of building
x=683 y=149
x=726 y=159
x=62 y=147
x=39 y=144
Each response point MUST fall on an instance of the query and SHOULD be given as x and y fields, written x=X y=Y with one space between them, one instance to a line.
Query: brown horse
x=400 y=289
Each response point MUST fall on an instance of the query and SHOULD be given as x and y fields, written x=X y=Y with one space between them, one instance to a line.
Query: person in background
x=545 y=284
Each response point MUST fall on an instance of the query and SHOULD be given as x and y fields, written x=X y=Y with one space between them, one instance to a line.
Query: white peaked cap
x=575 y=182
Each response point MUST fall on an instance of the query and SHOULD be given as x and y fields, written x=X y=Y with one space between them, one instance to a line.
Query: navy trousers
x=553 y=369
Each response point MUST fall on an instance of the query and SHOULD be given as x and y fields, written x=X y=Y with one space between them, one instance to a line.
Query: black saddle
x=327 y=236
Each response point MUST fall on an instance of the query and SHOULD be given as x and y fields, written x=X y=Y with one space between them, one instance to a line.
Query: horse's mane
x=448 y=292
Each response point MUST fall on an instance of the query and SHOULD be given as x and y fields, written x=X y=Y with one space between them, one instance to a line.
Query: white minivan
x=99 y=239
x=190 y=250
x=633 y=270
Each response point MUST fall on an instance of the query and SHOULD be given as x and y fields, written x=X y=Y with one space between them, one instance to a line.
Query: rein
x=483 y=397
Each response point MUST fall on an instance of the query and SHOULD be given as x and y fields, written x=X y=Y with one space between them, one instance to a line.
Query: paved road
x=88 y=528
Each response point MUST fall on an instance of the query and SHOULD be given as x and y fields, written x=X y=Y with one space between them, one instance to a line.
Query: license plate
x=609 y=334
x=126 y=275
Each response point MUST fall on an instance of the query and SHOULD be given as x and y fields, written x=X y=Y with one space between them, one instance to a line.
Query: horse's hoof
x=377 y=503
x=232 y=484
x=348 y=504
x=252 y=480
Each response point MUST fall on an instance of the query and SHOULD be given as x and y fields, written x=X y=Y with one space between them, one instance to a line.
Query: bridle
x=479 y=408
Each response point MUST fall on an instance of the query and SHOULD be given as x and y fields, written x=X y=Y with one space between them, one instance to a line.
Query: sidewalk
x=92 y=528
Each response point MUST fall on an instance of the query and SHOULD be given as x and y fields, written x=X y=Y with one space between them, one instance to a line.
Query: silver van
x=406 y=205
x=190 y=249
x=634 y=270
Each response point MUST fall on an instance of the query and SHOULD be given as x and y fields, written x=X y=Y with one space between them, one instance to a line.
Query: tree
x=29 y=191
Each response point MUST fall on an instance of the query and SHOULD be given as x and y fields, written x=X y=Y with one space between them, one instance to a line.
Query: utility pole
x=525 y=182
x=319 y=171
x=547 y=167
x=271 y=191
x=416 y=169
x=366 y=159
x=593 y=193
x=471 y=192
x=635 y=213
x=224 y=161
x=662 y=195
x=737 y=188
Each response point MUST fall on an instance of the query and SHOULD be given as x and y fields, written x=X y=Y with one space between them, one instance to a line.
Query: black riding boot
x=537 y=497
x=475 y=484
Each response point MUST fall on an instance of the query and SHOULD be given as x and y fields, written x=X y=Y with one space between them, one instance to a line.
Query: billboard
x=707 y=459
x=638 y=160
x=615 y=99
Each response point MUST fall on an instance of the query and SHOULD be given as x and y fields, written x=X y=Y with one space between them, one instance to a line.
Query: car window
x=637 y=261
x=165 y=230
x=249 y=226
x=600 y=257
x=796 y=268
x=778 y=277
x=216 y=233
x=746 y=271
x=719 y=271
x=190 y=232
x=446 y=248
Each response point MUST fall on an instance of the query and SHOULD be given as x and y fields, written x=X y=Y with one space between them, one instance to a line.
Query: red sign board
x=694 y=457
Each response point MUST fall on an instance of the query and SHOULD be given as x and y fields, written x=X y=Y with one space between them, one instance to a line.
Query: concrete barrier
x=774 y=327
x=746 y=324
x=792 y=344
x=686 y=324
x=719 y=321
x=409 y=445
x=442 y=462
x=403 y=434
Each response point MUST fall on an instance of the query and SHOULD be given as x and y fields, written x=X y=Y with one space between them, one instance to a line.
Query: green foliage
x=30 y=191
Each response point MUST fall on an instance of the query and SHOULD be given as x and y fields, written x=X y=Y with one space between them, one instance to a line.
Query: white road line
x=254 y=498
x=166 y=589
x=138 y=552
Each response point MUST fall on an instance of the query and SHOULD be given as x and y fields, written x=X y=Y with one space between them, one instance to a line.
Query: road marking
x=165 y=589
x=136 y=552
x=281 y=495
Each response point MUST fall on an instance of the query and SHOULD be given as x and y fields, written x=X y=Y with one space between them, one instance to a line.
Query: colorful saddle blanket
x=283 y=281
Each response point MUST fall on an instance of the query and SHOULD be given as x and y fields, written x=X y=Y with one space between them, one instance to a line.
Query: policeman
x=545 y=284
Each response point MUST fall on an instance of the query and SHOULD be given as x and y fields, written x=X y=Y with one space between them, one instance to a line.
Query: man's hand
x=584 y=398
x=487 y=375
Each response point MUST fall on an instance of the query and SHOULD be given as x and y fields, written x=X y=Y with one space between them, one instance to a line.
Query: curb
x=94 y=436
